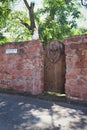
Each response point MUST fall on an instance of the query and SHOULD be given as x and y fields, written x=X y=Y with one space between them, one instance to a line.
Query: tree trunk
x=31 y=16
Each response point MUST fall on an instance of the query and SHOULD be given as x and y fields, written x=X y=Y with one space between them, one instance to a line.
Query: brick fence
x=21 y=67
x=76 y=67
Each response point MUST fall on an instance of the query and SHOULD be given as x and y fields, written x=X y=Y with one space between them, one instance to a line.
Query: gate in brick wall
x=54 y=72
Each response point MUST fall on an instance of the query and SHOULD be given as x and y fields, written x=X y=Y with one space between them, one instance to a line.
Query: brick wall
x=76 y=67
x=22 y=71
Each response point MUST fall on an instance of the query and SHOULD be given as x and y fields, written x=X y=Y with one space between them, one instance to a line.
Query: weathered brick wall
x=22 y=71
x=76 y=67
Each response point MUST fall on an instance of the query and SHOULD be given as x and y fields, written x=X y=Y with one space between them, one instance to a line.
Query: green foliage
x=3 y=39
x=56 y=20
x=79 y=31
x=5 y=9
x=59 y=19
x=16 y=30
x=10 y=22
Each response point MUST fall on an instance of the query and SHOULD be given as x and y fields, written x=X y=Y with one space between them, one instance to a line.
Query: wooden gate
x=54 y=67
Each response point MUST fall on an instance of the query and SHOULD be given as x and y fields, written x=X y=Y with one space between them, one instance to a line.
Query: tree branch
x=31 y=14
x=25 y=24
x=27 y=5
x=83 y=3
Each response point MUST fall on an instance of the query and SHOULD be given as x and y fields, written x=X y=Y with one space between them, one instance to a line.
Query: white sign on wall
x=11 y=51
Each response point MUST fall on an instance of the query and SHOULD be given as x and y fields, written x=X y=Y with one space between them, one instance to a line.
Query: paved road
x=26 y=113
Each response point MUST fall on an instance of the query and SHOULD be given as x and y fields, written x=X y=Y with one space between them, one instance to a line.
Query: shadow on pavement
x=26 y=113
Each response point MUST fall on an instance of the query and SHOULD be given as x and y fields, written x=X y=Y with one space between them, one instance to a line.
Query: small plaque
x=11 y=51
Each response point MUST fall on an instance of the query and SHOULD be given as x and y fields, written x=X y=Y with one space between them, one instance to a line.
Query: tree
x=83 y=2
x=6 y=21
x=16 y=30
x=59 y=19
x=31 y=16
x=4 y=12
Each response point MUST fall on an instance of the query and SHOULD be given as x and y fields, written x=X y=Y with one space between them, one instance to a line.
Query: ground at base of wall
x=48 y=96
x=53 y=96
x=57 y=97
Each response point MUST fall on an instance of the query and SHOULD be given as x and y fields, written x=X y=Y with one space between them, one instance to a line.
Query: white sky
x=83 y=22
x=38 y=4
x=20 y=4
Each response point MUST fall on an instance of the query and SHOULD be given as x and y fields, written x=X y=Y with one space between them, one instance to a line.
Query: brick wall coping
x=79 y=39
x=31 y=42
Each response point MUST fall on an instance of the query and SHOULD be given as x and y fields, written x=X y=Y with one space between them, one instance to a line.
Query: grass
x=52 y=95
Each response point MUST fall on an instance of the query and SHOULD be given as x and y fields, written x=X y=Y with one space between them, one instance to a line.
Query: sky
x=83 y=22
x=38 y=4
x=20 y=4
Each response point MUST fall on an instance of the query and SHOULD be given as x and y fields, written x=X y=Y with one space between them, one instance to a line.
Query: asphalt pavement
x=28 y=113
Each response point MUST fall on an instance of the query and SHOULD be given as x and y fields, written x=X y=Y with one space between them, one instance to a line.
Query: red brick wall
x=76 y=67
x=24 y=70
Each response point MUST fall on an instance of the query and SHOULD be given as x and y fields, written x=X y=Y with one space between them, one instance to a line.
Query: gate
x=54 y=67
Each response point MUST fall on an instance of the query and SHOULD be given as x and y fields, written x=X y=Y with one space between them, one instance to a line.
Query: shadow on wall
x=24 y=113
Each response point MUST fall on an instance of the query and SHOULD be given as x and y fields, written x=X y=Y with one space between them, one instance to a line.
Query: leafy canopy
x=59 y=19
x=55 y=20
x=5 y=9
